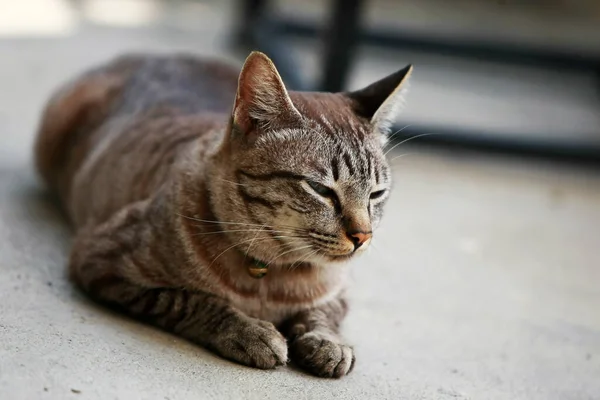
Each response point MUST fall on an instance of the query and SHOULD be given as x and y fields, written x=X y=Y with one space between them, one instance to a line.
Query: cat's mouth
x=343 y=257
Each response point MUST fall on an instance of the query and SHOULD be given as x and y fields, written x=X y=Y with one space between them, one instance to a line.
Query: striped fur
x=174 y=196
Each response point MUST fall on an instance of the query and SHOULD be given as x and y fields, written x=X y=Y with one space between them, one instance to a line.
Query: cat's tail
x=71 y=113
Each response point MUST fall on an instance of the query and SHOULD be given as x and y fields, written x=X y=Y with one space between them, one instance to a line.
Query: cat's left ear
x=381 y=101
x=261 y=98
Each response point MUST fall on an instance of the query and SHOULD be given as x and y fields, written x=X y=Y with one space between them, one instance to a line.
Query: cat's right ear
x=261 y=96
x=381 y=101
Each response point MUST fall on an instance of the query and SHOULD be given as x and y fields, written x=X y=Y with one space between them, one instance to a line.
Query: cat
x=226 y=226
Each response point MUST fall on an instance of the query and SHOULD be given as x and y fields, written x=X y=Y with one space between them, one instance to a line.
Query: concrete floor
x=483 y=282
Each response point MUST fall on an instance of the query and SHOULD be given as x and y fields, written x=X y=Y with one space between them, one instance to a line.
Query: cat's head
x=302 y=176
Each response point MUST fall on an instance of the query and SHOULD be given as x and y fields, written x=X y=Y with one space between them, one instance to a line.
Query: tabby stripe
x=365 y=163
x=377 y=177
x=143 y=303
x=322 y=234
x=319 y=170
x=300 y=210
x=157 y=161
x=284 y=297
x=149 y=274
x=273 y=235
x=171 y=146
x=335 y=167
x=248 y=198
x=116 y=249
x=128 y=305
x=202 y=252
x=178 y=310
x=221 y=316
x=98 y=285
x=216 y=313
x=361 y=164
x=318 y=239
x=141 y=296
x=337 y=206
x=272 y=175
x=159 y=258
x=386 y=176
x=190 y=316
x=168 y=320
x=152 y=298
x=158 y=304
x=168 y=303
x=348 y=163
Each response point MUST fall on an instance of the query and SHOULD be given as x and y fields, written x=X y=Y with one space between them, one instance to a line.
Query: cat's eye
x=377 y=194
x=321 y=189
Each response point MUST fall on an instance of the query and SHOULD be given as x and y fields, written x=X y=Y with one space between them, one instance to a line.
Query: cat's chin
x=335 y=258
x=342 y=258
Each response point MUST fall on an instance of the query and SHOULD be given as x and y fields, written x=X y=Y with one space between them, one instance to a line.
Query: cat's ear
x=261 y=96
x=381 y=101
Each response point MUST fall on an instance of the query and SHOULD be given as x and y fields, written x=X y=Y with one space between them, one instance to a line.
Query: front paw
x=254 y=343
x=322 y=355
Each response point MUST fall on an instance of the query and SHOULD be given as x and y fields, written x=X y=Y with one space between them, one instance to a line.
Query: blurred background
x=511 y=74
x=483 y=282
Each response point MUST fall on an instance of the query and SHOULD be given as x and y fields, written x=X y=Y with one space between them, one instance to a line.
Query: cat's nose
x=359 y=238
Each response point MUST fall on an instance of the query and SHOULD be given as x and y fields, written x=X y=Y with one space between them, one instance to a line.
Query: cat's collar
x=257 y=269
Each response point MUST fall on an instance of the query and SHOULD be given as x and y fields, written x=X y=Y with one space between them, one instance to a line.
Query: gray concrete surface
x=483 y=282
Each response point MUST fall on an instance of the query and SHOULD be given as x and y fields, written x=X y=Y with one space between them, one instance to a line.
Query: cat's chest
x=275 y=298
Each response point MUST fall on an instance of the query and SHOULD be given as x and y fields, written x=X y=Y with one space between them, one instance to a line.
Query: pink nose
x=359 y=238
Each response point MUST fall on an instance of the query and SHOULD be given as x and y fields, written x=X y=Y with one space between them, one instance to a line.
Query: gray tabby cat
x=228 y=228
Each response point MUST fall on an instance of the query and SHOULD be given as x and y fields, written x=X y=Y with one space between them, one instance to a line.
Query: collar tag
x=258 y=269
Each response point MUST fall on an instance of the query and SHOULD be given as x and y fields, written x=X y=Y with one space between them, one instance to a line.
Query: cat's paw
x=254 y=343
x=322 y=355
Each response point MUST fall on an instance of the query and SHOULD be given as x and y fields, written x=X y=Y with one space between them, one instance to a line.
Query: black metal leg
x=510 y=53
x=249 y=14
x=342 y=36
x=499 y=142
x=258 y=32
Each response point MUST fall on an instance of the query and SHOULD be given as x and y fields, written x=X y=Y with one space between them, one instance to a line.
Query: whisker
x=231 y=247
x=206 y=220
x=401 y=155
x=253 y=240
x=217 y=222
x=391 y=137
x=241 y=230
x=287 y=252
x=233 y=183
x=237 y=223
x=252 y=243
x=408 y=139
x=299 y=262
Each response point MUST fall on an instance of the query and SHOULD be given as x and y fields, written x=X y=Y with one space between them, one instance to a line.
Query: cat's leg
x=109 y=263
x=315 y=342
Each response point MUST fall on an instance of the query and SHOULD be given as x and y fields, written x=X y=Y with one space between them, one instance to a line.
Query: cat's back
x=186 y=83
x=111 y=136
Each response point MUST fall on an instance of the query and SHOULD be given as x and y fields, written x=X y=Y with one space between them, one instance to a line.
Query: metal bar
x=283 y=58
x=248 y=15
x=257 y=32
x=267 y=35
x=472 y=48
x=342 y=37
x=531 y=146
